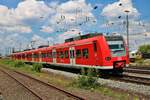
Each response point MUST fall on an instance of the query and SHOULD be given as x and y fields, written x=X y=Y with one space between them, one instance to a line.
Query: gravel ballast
x=12 y=90
x=44 y=91
x=142 y=89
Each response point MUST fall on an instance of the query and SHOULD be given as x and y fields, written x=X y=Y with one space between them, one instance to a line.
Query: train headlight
x=108 y=58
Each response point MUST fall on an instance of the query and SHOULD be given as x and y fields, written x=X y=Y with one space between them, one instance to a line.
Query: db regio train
x=106 y=53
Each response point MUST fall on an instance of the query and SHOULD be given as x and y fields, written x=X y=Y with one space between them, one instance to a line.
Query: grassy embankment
x=141 y=62
x=84 y=82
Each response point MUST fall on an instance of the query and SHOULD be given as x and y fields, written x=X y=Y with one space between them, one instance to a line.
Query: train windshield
x=116 y=45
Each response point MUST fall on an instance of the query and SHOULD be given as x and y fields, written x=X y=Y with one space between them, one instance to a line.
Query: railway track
x=41 y=89
x=137 y=70
x=126 y=77
x=9 y=75
x=134 y=79
x=137 y=75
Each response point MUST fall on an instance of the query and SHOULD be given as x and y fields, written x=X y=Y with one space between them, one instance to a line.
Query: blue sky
x=56 y=20
x=144 y=8
x=141 y=5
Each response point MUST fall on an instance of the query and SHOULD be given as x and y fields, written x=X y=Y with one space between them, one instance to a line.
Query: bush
x=145 y=48
x=18 y=64
x=37 y=67
x=88 y=81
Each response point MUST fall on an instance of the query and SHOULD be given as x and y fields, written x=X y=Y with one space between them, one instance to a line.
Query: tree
x=144 y=48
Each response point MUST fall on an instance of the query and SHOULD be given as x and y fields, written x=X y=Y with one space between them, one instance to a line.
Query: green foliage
x=89 y=81
x=37 y=67
x=7 y=61
x=145 y=48
x=13 y=63
x=18 y=63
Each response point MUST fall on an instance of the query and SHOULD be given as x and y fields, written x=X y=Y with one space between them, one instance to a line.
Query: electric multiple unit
x=90 y=51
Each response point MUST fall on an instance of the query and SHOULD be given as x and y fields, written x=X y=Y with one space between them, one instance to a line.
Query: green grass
x=87 y=80
x=63 y=82
x=141 y=62
x=37 y=67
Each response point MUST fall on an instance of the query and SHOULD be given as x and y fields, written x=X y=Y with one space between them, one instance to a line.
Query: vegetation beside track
x=85 y=83
x=144 y=48
x=141 y=62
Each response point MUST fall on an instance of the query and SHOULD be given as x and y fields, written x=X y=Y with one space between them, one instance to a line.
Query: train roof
x=114 y=38
x=73 y=41
x=81 y=37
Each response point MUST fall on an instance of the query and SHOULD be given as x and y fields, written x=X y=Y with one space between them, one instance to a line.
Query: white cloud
x=118 y=9
x=20 y=20
x=9 y=22
x=69 y=34
x=47 y=29
x=138 y=31
x=112 y=12
x=38 y=40
x=71 y=14
x=32 y=9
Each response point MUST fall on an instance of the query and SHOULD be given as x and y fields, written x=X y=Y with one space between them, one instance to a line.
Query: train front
x=116 y=54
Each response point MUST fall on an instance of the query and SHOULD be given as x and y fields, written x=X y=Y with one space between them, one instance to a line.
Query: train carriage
x=50 y=56
x=29 y=56
x=90 y=50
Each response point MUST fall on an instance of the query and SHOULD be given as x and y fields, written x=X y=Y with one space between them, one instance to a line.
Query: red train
x=90 y=50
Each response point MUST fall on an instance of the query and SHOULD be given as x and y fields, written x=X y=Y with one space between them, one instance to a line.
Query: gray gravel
x=12 y=90
x=44 y=91
x=111 y=83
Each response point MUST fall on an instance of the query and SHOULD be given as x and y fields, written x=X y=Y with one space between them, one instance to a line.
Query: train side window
x=72 y=54
x=54 y=54
x=32 y=55
x=66 y=54
x=78 y=53
x=26 y=55
x=49 y=54
x=58 y=54
x=29 y=56
x=85 y=53
x=43 y=55
x=36 y=56
x=23 y=56
x=61 y=54
x=95 y=46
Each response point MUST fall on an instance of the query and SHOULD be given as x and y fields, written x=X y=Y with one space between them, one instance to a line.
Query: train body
x=90 y=51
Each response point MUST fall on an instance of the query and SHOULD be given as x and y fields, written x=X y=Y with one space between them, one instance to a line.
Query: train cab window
x=85 y=53
x=78 y=53
x=61 y=54
x=66 y=54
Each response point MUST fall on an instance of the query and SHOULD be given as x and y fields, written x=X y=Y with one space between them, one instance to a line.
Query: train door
x=95 y=53
x=54 y=55
x=72 y=55
x=40 y=56
x=32 y=57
